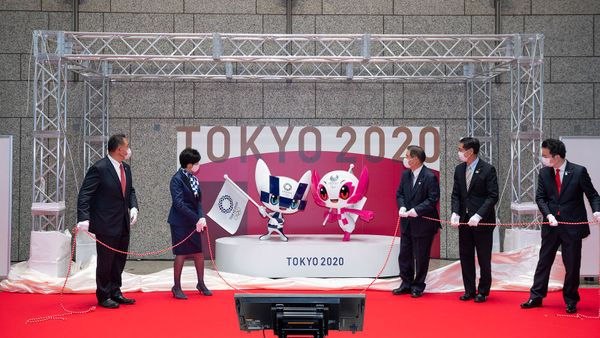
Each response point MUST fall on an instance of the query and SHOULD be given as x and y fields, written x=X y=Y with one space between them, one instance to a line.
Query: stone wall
x=150 y=111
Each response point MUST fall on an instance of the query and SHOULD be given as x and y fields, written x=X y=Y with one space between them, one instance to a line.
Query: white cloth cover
x=511 y=271
x=49 y=252
x=85 y=250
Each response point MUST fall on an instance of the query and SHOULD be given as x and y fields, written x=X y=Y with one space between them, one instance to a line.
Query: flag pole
x=327 y=217
x=240 y=190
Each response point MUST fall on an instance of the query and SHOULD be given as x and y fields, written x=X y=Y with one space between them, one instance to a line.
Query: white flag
x=229 y=207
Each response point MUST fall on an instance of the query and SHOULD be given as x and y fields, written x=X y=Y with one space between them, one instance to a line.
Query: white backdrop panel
x=6 y=143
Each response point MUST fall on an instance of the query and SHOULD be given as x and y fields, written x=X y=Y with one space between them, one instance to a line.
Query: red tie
x=123 y=182
x=557 y=180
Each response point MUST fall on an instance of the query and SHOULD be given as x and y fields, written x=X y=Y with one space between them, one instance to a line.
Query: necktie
x=123 y=183
x=469 y=175
x=557 y=180
x=413 y=178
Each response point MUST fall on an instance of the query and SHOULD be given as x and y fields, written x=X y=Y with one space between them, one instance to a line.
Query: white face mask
x=195 y=168
x=462 y=157
x=547 y=161
x=128 y=156
x=406 y=162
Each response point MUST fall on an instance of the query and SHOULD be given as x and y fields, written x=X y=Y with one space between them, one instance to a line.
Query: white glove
x=412 y=213
x=552 y=220
x=455 y=220
x=83 y=225
x=201 y=225
x=263 y=211
x=133 y=213
x=597 y=216
x=474 y=220
x=402 y=212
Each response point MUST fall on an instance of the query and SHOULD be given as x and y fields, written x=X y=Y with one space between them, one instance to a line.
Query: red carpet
x=433 y=315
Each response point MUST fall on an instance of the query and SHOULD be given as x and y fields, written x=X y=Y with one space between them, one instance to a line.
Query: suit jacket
x=101 y=200
x=423 y=197
x=480 y=198
x=186 y=208
x=576 y=182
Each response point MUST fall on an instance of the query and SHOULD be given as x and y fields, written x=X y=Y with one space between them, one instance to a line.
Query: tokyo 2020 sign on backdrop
x=291 y=151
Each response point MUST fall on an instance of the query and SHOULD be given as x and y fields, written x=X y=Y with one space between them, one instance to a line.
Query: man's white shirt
x=116 y=165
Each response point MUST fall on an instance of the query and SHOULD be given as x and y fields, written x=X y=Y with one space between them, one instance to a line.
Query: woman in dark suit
x=186 y=215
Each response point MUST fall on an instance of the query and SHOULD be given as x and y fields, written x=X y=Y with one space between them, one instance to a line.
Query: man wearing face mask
x=417 y=195
x=559 y=196
x=128 y=156
x=474 y=196
x=107 y=205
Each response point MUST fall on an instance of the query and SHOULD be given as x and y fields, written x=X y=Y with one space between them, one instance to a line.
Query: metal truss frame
x=49 y=138
x=479 y=115
x=102 y=57
x=95 y=119
x=311 y=56
x=527 y=112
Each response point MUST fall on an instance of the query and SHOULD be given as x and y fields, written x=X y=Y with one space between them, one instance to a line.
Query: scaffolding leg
x=95 y=120
x=526 y=136
x=49 y=140
x=479 y=115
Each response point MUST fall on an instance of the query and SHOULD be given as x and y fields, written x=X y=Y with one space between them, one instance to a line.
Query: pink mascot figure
x=344 y=195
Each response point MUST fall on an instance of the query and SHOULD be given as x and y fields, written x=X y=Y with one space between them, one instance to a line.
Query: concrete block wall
x=149 y=112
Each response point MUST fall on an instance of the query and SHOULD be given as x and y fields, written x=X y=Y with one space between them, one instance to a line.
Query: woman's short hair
x=189 y=156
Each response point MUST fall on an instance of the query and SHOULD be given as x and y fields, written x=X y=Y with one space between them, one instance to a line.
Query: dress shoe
x=178 y=293
x=109 y=304
x=531 y=303
x=480 y=298
x=122 y=300
x=203 y=289
x=466 y=296
x=401 y=291
x=571 y=308
x=416 y=294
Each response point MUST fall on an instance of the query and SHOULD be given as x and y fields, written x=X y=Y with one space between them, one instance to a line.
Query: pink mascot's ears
x=315 y=189
x=361 y=189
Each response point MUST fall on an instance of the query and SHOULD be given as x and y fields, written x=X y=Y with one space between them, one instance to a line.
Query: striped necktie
x=469 y=175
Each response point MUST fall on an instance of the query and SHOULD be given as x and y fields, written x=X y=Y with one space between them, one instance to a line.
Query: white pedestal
x=520 y=238
x=85 y=250
x=590 y=251
x=49 y=252
x=308 y=256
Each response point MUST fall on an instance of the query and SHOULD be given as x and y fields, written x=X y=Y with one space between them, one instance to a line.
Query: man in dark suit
x=419 y=193
x=474 y=195
x=559 y=196
x=107 y=205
